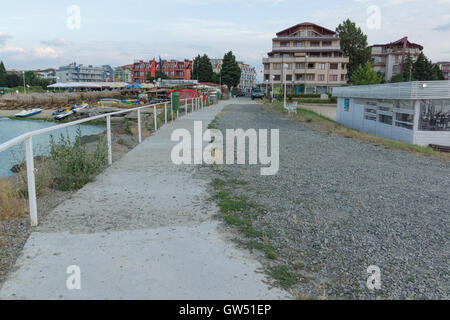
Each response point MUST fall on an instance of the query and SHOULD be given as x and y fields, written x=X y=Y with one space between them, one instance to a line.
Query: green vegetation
x=74 y=165
x=283 y=276
x=420 y=70
x=365 y=75
x=354 y=45
x=16 y=81
x=231 y=73
x=202 y=70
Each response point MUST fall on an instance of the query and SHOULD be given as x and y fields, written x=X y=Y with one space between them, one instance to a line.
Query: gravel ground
x=338 y=206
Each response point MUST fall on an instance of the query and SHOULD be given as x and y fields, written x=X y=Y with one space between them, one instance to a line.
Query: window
x=370 y=113
x=321 y=77
x=326 y=44
x=315 y=54
x=310 y=77
x=285 y=44
x=434 y=115
x=277 y=77
x=298 y=44
x=404 y=120
x=334 y=66
x=299 y=66
x=267 y=66
x=315 y=43
x=277 y=66
x=311 y=66
x=321 y=66
x=333 y=78
x=383 y=118
x=289 y=77
x=299 y=77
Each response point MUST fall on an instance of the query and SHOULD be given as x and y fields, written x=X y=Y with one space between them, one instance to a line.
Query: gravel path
x=338 y=206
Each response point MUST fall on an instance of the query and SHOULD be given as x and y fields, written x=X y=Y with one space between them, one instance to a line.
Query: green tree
x=231 y=73
x=437 y=73
x=408 y=67
x=366 y=75
x=353 y=45
x=3 y=75
x=398 y=78
x=202 y=70
x=158 y=75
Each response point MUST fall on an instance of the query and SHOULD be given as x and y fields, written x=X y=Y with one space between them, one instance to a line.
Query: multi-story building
x=306 y=55
x=123 y=73
x=181 y=70
x=80 y=73
x=445 y=67
x=108 y=73
x=248 y=73
x=388 y=59
x=140 y=69
x=48 y=74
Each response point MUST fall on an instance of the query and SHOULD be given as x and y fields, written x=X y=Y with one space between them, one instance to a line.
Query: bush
x=74 y=166
x=12 y=202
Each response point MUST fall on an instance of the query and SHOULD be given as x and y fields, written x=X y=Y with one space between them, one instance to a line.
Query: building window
x=334 y=66
x=311 y=66
x=267 y=66
x=315 y=43
x=298 y=44
x=299 y=66
x=277 y=77
x=434 y=115
x=277 y=66
x=321 y=77
x=289 y=77
x=370 y=113
x=285 y=44
x=384 y=118
x=321 y=66
x=333 y=78
x=310 y=77
x=299 y=77
x=326 y=44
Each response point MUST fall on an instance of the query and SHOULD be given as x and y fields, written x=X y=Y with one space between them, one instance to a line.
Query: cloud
x=445 y=27
x=60 y=42
x=3 y=39
x=44 y=53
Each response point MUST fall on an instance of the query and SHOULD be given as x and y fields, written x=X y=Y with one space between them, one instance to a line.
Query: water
x=10 y=129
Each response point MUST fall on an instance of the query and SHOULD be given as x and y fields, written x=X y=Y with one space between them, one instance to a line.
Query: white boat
x=28 y=113
x=64 y=113
x=81 y=107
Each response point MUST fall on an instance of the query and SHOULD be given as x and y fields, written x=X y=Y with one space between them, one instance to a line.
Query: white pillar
x=154 y=117
x=108 y=136
x=31 y=182
x=139 y=125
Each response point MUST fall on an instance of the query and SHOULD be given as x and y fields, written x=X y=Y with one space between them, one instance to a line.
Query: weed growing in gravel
x=283 y=276
x=12 y=202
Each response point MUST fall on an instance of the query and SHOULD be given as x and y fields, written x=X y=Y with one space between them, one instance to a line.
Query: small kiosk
x=413 y=112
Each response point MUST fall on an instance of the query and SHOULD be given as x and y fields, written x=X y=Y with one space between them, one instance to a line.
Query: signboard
x=347 y=105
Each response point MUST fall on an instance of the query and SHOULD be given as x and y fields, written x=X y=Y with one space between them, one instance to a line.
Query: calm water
x=10 y=129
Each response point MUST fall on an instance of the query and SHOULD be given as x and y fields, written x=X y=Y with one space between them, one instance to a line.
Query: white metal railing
x=195 y=104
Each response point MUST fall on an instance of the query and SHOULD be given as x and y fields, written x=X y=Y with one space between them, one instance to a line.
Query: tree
x=231 y=73
x=202 y=70
x=437 y=73
x=3 y=75
x=408 y=67
x=353 y=45
x=398 y=78
x=158 y=75
x=366 y=75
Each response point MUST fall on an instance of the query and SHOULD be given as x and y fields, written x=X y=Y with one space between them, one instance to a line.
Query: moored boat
x=28 y=113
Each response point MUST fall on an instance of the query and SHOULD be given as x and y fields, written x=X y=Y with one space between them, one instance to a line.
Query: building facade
x=140 y=69
x=388 y=59
x=180 y=70
x=413 y=112
x=248 y=74
x=445 y=67
x=123 y=74
x=80 y=73
x=306 y=55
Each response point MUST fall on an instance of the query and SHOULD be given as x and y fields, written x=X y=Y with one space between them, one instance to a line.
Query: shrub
x=74 y=165
x=12 y=202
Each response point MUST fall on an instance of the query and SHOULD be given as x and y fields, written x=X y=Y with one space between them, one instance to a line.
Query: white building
x=413 y=112
x=248 y=74
x=80 y=73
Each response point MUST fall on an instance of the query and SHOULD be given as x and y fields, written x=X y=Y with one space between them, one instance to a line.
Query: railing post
x=186 y=105
x=154 y=116
x=31 y=182
x=139 y=125
x=108 y=137
x=165 y=113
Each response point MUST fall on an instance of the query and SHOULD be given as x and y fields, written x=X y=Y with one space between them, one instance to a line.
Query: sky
x=51 y=33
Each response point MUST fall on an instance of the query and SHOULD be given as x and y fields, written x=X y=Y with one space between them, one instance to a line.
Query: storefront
x=413 y=112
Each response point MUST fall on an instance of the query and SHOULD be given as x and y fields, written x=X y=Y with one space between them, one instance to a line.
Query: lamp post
x=306 y=66
x=267 y=84
x=271 y=89
x=285 y=66
x=24 y=88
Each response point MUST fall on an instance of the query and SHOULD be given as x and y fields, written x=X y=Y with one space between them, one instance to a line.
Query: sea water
x=10 y=129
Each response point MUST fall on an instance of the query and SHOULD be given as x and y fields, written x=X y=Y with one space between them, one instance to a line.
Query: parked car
x=257 y=94
x=240 y=93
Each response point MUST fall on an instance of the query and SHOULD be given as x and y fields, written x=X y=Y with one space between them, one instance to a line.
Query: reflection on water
x=10 y=129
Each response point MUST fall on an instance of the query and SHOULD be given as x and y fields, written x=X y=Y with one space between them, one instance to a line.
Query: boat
x=109 y=101
x=63 y=113
x=77 y=108
x=28 y=113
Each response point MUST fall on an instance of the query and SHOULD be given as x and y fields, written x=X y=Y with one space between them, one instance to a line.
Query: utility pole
x=24 y=88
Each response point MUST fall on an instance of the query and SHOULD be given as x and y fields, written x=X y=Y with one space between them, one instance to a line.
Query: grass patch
x=12 y=202
x=283 y=276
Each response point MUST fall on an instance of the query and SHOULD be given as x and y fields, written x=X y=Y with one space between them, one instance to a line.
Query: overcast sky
x=37 y=35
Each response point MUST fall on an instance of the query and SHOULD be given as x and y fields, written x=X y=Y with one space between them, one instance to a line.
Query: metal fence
x=194 y=104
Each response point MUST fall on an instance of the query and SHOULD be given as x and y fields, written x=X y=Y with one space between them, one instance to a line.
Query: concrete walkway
x=143 y=230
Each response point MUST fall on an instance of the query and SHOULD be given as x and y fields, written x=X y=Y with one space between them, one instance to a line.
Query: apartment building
x=248 y=74
x=180 y=70
x=140 y=69
x=388 y=59
x=80 y=73
x=306 y=55
x=123 y=73
x=445 y=67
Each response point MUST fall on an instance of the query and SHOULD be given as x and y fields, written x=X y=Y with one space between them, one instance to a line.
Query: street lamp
x=267 y=84
x=271 y=89
x=24 y=88
x=285 y=66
